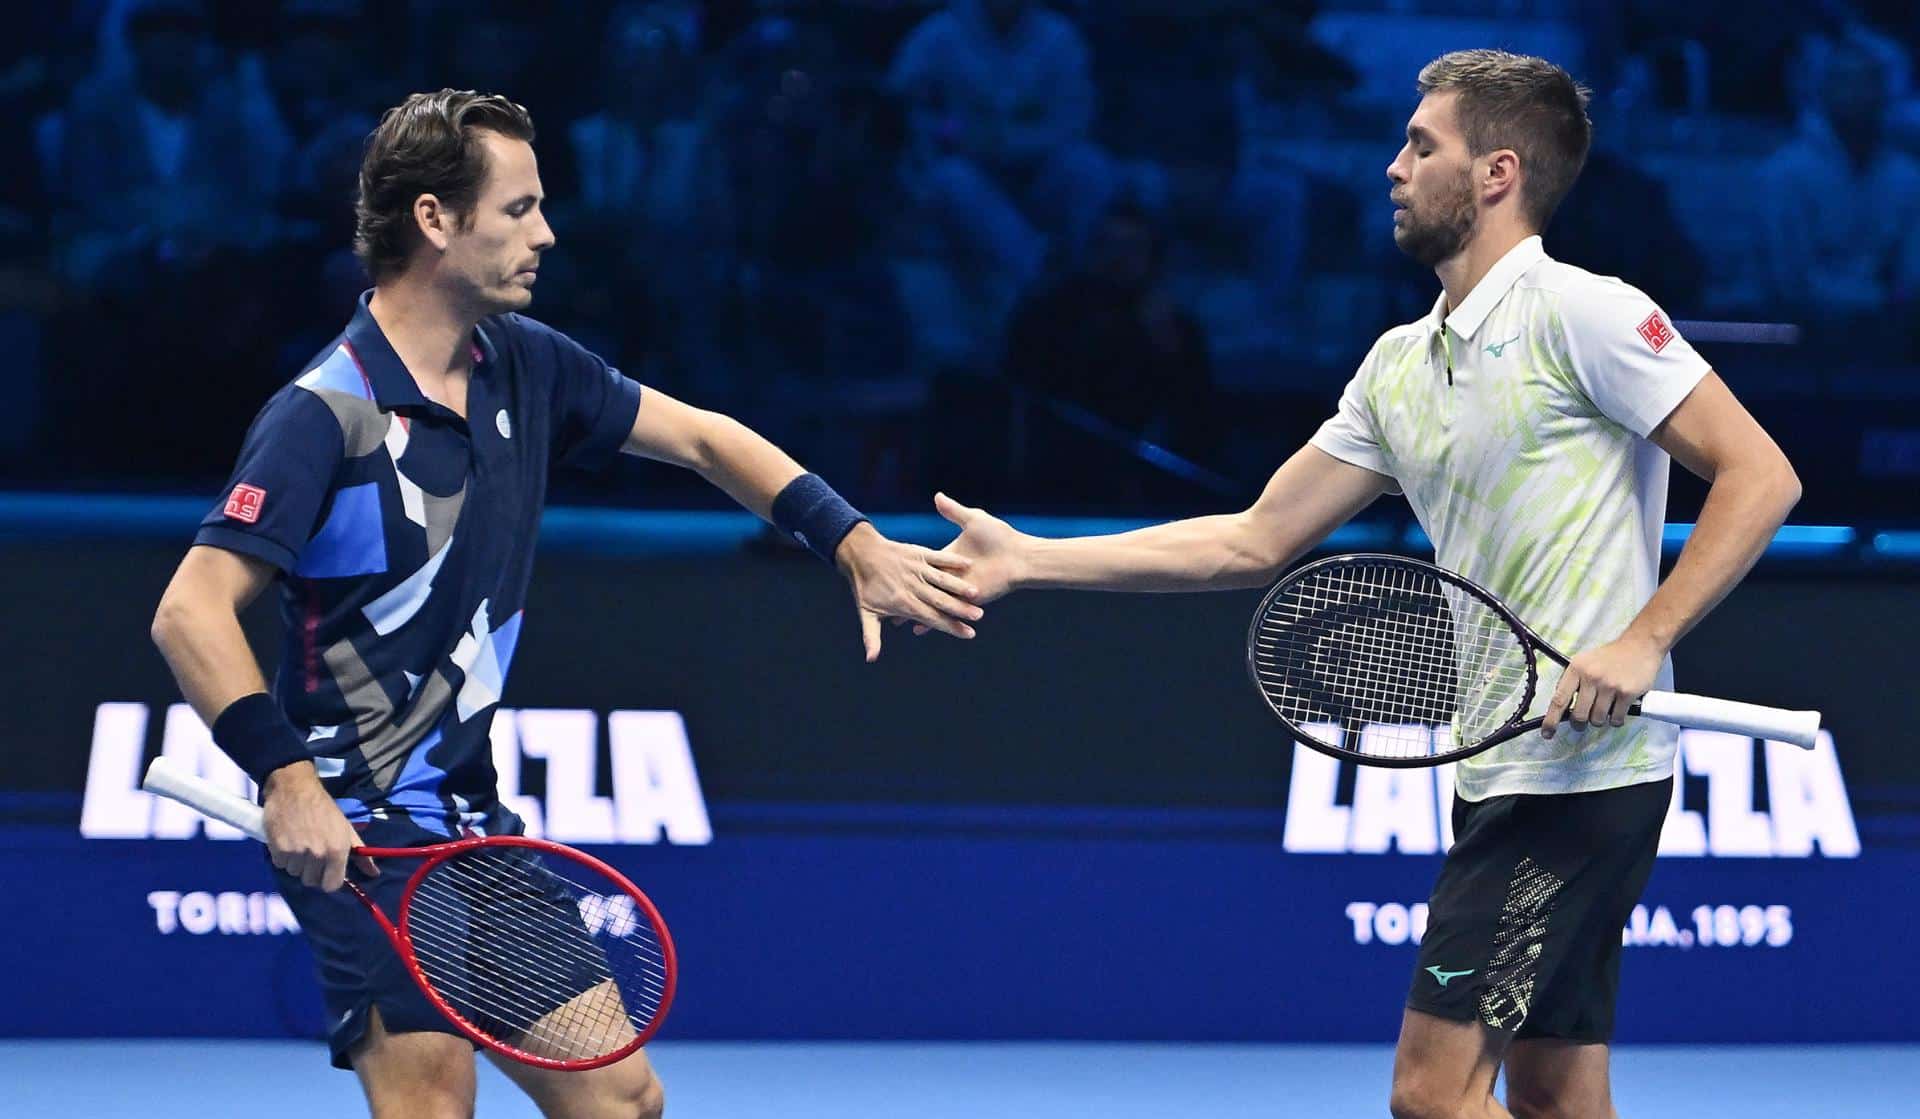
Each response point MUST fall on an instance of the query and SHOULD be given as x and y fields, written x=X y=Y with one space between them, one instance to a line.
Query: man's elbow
x=166 y=623
x=1786 y=485
x=173 y=619
x=1260 y=554
x=709 y=439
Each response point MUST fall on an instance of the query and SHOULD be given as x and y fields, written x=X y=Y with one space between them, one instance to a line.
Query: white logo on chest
x=505 y=425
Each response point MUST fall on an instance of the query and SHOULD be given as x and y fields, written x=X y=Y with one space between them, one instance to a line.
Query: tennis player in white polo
x=1529 y=419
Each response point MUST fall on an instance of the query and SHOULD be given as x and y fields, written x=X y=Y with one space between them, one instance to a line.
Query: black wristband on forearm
x=257 y=736
x=809 y=511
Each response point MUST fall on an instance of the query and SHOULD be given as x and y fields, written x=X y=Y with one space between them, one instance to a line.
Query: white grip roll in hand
x=167 y=779
x=1777 y=724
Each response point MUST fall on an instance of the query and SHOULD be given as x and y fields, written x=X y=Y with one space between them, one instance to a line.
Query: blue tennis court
x=712 y=1080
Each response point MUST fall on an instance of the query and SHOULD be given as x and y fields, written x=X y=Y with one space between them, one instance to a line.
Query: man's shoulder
x=1555 y=283
x=1396 y=341
x=515 y=326
x=537 y=352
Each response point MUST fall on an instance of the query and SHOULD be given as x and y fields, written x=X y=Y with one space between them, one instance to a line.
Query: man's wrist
x=293 y=773
x=854 y=545
x=1650 y=635
x=1027 y=563
x=809 y=510
x=257 y=735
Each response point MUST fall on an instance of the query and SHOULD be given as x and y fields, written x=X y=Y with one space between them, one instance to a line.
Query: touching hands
x=907 y=582
x=998 y=551
x=995 y=551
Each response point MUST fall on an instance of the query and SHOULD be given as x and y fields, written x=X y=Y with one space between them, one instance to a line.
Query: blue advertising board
x=1082 y=825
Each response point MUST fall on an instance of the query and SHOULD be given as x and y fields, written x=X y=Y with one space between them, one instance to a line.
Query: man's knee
x=650 y=1101
x=1549 y=1079
x=421 y=1107
x=1525 y=1104
x=637 y=1096
x=414 y=1075
x=1419 y=1097
x=433 y=1093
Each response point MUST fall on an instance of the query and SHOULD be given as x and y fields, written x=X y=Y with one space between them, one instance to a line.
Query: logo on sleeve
x=244 y=505
x=1656 y=331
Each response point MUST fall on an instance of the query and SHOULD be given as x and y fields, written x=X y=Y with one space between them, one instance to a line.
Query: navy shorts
x=357 y=966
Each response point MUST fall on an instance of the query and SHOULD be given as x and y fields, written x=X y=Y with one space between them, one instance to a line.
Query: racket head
x=537 y=951
x=1390 y=661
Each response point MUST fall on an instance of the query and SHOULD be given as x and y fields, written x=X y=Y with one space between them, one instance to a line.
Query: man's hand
x=307 y=834
x=894 y=580
x=997 y=549
x=1600 y=684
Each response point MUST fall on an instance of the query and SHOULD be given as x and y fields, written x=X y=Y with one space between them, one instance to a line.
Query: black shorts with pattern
x=1524 y=927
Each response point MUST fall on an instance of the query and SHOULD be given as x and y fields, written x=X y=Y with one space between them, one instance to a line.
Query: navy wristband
x=257 y=736
x=809 y=511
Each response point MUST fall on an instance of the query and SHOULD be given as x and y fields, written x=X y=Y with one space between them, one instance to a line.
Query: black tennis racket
x=1395 y=662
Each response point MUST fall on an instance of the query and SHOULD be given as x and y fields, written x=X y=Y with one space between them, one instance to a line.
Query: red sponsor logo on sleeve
x=1655 y=330
x=244 y=505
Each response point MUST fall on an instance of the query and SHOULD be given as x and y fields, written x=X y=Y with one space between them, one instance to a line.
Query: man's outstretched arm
x=889 y=579
x=1312 y=494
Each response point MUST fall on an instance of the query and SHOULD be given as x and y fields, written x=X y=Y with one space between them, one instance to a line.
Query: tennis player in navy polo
x=394 y=491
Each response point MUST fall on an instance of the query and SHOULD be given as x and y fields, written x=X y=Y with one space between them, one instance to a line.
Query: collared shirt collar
x=1492 y=288
x=394 y=387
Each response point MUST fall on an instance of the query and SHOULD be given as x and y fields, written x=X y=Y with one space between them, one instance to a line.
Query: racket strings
x=1405 y=663
x=543 y=944
x=562 y=967
x=527 y=1017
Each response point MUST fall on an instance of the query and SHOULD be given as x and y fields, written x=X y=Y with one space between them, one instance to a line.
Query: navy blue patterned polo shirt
x=405 y=535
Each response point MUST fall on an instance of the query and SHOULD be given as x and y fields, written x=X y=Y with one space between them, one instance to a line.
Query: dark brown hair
x=1524 y=103
x=427 y=144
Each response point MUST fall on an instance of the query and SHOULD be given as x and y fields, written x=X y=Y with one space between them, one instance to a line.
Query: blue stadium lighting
x=629 y=532
x=1897 y=545
x=1791 y=540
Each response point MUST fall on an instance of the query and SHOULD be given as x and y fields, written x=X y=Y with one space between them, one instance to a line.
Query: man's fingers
x=1621 y=703
x=952 y=510
x=953 y=585
x=955 y=608
x=870 y=634
x=951 y=561
x=1592 y=700
x=334 y=874
x=1563 y=693
x=366 y=865
x=945 y=613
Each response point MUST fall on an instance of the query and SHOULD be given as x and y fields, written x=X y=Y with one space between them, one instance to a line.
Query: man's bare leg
x=1443 y=1069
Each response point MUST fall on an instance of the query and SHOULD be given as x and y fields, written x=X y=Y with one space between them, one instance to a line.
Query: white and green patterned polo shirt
x=1517 y=428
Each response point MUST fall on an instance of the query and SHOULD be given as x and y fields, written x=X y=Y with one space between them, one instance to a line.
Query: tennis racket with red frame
x=1391 y=661
x=535 y=950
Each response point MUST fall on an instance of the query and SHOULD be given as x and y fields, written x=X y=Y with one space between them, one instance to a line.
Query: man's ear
x=434 y=220
x=1499 y=176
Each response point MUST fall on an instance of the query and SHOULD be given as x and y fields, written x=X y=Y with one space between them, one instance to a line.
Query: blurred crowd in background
x=991 y=245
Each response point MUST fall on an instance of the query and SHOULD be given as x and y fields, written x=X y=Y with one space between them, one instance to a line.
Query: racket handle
x=1704 y=713
x=166 y=778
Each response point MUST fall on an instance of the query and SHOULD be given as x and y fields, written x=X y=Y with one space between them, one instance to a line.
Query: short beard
x=1431 y=242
